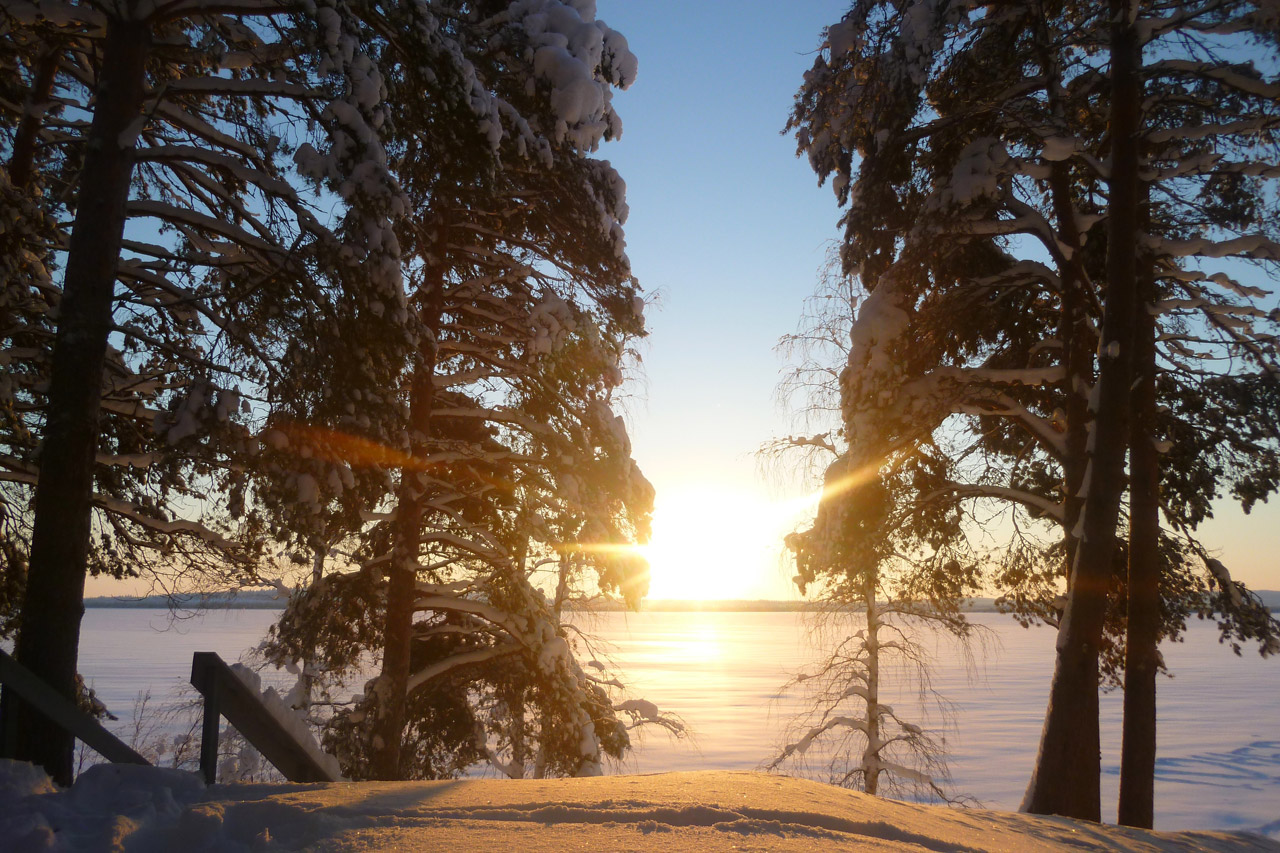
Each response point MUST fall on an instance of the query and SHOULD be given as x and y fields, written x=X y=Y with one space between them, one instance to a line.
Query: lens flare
x=333 y=446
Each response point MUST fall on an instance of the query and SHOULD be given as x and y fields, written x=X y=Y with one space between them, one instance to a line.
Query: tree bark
x=871 y=756
x=1075 y=334
x=22 y=159
x=392 y=685
x=54 y=602
x=1142 y=634
x=1074 y=329
x=1066 y=777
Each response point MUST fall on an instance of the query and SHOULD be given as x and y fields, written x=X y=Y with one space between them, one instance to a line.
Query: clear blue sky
x=727 y=225
x=730 y=229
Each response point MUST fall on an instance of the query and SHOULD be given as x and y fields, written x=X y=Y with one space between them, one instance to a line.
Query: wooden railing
x=225 y=695
x=36 y=693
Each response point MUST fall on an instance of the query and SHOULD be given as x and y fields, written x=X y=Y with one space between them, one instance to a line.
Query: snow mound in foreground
x=145 y=809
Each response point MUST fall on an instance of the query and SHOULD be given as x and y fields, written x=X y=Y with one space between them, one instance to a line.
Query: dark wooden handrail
x=225 y=695
x=39 y=695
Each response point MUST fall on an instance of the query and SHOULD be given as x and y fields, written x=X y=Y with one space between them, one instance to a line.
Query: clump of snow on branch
x=580 y=59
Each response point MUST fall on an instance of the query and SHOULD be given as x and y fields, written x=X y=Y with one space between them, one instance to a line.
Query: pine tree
x=1203 y=176
x=171 y=275
x=524 y=303
x=964 y=161
x=845 y=555
x=861 y=555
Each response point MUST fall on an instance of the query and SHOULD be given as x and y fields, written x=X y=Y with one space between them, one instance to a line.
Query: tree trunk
x=54 y=602
x=1076 y=336
x=1074 y=329
x=1066 y=777
x=308 y=677
x=1142 y=654
x=22 y=159
x=871 y=756
x=392 y=685
x=519 y=735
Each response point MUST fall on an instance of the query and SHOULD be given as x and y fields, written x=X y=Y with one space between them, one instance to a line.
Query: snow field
x=150 y=810
x=1219 y=761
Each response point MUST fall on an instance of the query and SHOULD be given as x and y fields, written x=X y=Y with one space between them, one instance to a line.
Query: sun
x=711 y=542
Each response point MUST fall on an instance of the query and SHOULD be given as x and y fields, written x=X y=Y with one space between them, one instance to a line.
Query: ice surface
x=723 y=674
x=144 y=809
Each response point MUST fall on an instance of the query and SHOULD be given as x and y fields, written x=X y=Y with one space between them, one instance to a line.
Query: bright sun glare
x=714 y=543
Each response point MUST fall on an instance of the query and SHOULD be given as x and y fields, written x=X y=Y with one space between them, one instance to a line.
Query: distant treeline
x=270 y=599
x=253 y=599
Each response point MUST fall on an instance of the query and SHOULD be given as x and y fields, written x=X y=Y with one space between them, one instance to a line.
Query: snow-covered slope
x=118 y=807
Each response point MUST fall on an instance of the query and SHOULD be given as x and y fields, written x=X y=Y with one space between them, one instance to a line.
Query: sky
x=728 y=229
x=728 y=232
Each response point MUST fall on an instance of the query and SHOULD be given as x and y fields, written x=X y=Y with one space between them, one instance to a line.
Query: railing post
x=204 y=678
x=9 y=700
x=226 y=696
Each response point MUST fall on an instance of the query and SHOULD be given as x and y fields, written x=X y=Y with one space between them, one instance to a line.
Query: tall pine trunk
x=871 y=755
x=23 y=157
x=1076 y=336
x=54 y=603
x=1142 y=654
x=309 y=675
x=1074 y=329
x=392 y=684
x=1066 y=776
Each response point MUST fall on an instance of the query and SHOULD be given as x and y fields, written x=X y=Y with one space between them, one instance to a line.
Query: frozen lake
x=1219 y=726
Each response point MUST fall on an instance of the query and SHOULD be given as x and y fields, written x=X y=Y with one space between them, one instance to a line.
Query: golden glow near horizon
x=712 y=542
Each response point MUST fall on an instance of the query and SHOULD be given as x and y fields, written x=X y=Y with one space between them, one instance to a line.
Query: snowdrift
x=133 y=809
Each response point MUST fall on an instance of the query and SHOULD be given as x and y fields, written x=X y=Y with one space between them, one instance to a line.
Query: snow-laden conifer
x=513 y=473
x=202 y=239
x=883 y=588
x=971 y=146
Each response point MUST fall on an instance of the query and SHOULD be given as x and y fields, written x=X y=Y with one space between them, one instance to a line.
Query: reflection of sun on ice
x=698 y=644
x=716 y=543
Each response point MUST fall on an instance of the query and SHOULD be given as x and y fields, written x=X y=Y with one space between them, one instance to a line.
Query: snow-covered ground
x=144 y=809
x=1219 y=764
